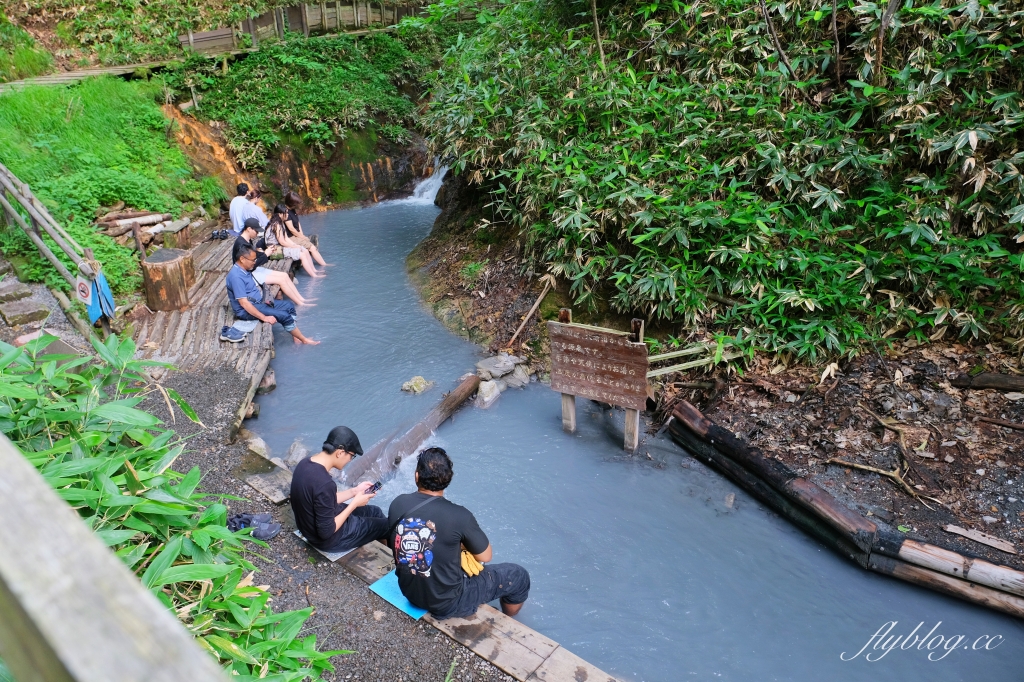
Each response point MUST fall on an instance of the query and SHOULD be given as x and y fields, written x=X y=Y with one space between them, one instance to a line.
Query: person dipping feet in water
x=247 y=297
x=321 y=514
x=292 y=201
x=263 y=276
x=277 y=238
x=438 y=549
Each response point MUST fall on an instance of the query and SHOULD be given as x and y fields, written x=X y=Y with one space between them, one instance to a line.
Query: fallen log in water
x=814 y=509
x=388 y=454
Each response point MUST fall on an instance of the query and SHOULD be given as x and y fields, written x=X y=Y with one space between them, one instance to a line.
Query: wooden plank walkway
x=516 y=649
x=190 y=339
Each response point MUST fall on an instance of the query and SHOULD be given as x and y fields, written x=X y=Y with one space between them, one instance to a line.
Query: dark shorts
x=365 y=524
x=508 y=582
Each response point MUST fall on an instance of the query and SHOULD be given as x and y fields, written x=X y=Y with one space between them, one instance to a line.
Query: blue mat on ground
x=387 y=588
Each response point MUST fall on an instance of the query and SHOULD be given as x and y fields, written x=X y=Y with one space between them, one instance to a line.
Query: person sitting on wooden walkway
x=321 y=514
x=277 y=238
x=243 y=207
x=247 y=297
x=291 y=223
x=438 y=548
x=264 y=276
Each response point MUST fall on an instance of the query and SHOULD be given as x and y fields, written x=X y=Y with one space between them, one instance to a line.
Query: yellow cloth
x=470 y=565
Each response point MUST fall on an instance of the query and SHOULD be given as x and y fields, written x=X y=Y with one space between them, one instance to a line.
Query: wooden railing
x=69 y=609
x=337 y=16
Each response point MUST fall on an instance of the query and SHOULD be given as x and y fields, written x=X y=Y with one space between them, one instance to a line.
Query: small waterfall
x=426 y=190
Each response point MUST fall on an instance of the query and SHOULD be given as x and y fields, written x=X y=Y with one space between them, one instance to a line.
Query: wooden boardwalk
x=190 y=339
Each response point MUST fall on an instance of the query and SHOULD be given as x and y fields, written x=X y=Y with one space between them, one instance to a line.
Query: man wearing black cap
x=320 y=513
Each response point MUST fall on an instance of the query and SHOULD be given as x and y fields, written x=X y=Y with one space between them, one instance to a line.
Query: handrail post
x=70 y=610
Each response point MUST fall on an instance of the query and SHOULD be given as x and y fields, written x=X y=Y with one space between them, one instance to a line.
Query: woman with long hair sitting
x=291 y=223
x=277 y=237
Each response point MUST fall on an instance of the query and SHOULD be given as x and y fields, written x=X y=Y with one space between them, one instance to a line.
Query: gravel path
x=387 y=645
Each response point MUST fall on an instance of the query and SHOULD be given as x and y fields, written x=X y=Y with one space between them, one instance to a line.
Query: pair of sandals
x=263 y=527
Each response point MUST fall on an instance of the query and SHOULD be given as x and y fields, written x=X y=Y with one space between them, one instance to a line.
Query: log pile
x=872 y=545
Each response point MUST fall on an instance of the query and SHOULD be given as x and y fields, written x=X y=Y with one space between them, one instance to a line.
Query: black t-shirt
x=261 y=257
x=294 y=218
x=314 y=499
x=427 y=546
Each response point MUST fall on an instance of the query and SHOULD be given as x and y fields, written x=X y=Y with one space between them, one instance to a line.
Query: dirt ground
x=387 y=644
x=963 y=471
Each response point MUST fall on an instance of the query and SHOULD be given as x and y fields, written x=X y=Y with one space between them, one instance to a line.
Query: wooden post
x=254 y=33
x=191 y=42
x=337 y=15
x=355 y=14
x=168 y=274
x=323 y=16
x=568 y=413
x=632 y=439
x=568 y=401
x=279 y=24
x=304 y=9
x=69 y=608
x=13 y=215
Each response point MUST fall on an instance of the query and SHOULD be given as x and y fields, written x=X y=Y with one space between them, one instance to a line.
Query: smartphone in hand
x=374 y=488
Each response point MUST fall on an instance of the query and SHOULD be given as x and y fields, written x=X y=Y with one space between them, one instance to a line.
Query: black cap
x=344 y=438
x=254 y=223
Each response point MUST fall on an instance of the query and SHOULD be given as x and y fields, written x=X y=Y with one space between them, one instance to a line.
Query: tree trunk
x=168 y=275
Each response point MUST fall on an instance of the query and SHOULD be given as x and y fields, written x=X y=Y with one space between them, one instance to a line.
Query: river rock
x=257 y=446
x=297 y=452
x=518 y=378
x=502 y=385
x=487 y=394
x=267 y=384
x=416 y=385
x=496 y=366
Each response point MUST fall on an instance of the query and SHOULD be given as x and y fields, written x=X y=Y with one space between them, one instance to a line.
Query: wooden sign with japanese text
x=599 y=364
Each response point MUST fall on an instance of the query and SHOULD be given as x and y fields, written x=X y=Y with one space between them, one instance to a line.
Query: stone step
x=23 y=311
x=12 y=290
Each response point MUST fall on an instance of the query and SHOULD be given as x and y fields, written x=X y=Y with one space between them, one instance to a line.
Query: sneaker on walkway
x=231 y=335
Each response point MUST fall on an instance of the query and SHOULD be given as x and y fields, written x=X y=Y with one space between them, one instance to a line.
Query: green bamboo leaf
x=231 y=649
x=185 y=407
x=124 y=412
x=192 y=572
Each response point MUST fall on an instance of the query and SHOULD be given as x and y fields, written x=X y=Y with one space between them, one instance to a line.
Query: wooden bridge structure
x=350 y=17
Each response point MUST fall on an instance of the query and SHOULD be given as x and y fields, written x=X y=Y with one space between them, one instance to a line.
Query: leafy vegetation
x=19 y=55
x=80 y=425
x=130 y=32
x=471 y=272
x=90 y=145
x=839 y=200
x=320 y=89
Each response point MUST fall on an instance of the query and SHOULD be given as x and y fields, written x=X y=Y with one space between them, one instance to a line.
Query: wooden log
x=968 y=591
x=69 y=608
x=568 y=413
x=983 y=538
x=122 y=215
x=387 y=455
x=1001 y=422
x=1000 y=382
x=254 y=382
x=167 y=275
x=767 y=494
x=952 y=563
x=148 y=219
x=38 y=221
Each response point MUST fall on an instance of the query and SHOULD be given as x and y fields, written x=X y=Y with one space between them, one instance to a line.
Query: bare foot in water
x=307 y=304
x=304 y=340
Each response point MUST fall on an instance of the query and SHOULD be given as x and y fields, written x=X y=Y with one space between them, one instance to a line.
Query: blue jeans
x=282 y=311
x=508 y=582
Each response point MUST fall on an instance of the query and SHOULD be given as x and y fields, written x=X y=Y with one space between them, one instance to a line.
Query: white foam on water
x=426 y=190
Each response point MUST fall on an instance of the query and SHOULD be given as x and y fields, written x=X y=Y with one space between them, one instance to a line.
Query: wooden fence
x=314 y=18
x=69 y=608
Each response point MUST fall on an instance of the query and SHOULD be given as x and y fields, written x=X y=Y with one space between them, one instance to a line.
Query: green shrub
x=79 y=424
x=19 y=56
x=836 y=207
x=320 y=90
x=91 y=145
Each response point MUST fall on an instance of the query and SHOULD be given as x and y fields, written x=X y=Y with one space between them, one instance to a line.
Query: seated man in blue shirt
x=246 y=297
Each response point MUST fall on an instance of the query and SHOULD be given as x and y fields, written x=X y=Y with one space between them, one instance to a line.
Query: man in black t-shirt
x=429 y=535
x=320 y=513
